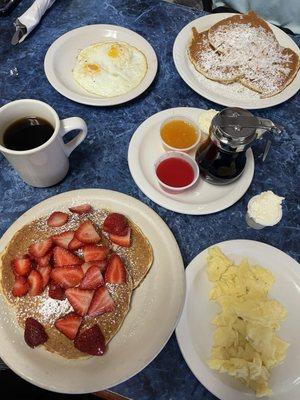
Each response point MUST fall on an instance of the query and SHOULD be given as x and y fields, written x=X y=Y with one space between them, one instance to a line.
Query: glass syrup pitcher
x=222 y=157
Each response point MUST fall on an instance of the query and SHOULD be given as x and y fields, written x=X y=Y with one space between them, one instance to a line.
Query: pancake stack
x=137 y=259
x=244 y=49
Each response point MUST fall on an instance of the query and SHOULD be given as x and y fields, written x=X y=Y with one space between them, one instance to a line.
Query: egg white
x=110 y=69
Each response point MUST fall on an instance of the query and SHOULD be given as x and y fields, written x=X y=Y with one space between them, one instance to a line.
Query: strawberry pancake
x=70 y=278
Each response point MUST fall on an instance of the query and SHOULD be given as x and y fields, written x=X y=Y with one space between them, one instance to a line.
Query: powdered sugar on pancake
x=209 y=62
x=262 y=60
x=50 y=309
x=244 y=38
x=243 y=51
x=234 y=90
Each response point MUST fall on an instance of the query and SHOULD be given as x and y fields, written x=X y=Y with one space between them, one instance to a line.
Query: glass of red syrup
x=176 y=171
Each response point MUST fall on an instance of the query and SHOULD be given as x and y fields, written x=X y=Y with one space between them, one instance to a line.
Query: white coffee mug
x=47 y=164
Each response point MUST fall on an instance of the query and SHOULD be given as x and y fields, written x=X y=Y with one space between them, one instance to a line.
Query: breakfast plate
x=145 y=148
x=160 y=297
x=232 y=95
x=194 y=330
x=61 y=57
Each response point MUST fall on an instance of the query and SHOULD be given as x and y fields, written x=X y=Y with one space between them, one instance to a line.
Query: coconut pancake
x=238 y=32
x=244 y=48
x=137 y=260
x=209 y=62
x=272 y=75
x=267 y=67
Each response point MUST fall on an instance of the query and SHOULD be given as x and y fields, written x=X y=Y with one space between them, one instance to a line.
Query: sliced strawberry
x=56 y=292
x=91 y=341
x=34 y=333
x=75 y=244
x=95 y=253
x=101 y=303
x=63 y=239
x=20 y=287
x=100 y=264
x=69 y=325
x=115 y=224
x=63 y=257
x=82 y=209
x=33 y=263
x=40 y=249
x=43 y=261
x=57 y=218
x=45 y=273
x=123 y=241
x=86 y=233
x=92 y=279
x=67 y=277
x=21 y=266
x=85 y=266
x=35 y=282
x=115 y=271
x=79 y=299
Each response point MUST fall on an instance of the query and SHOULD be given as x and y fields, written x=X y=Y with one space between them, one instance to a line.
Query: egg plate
x=62 y=54
x=194 y=331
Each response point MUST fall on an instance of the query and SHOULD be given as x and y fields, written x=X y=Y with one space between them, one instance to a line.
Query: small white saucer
x=144 y=149
x=61 y=56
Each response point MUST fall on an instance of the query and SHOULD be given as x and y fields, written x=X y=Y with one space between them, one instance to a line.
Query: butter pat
x=205 y=119
x=265 y=208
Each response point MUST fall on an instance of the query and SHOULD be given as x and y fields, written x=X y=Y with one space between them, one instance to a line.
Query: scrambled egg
x=245 y=344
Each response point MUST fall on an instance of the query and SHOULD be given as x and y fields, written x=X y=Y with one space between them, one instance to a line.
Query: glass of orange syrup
x=179 y=134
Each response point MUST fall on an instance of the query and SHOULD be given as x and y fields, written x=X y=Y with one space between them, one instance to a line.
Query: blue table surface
x=101 y=161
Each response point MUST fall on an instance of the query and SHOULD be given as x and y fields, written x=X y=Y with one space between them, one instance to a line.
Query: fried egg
x=110 y=69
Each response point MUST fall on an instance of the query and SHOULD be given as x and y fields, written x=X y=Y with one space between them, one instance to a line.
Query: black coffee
x=27 y=133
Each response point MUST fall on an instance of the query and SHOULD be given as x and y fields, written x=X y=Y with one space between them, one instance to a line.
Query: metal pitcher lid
x=235 y=126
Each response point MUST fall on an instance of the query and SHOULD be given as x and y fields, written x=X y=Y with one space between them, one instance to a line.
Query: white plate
x=144 y=149
x=194 y=330
x=61 y=56
x=214 y=91
x=155 y=308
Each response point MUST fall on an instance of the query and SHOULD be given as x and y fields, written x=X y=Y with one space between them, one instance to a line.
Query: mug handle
x=70 y=124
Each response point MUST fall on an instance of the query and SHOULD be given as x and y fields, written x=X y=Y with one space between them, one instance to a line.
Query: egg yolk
x=113 y=52
x=93 y=68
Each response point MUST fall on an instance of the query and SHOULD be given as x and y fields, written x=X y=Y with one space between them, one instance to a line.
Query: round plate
x=61 y=56
x=144 y=149
x=156 y=303
x=217 y=92
x=194 y=330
